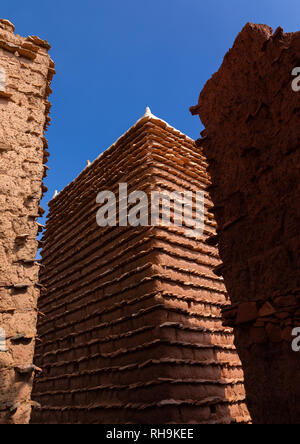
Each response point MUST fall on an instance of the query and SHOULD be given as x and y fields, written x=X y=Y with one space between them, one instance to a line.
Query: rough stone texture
x=25 y=74
x=251 y=140
x=131 y=329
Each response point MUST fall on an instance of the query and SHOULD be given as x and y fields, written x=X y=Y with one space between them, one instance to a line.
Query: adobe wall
x=131 y=329
x=251 y=140
x=26 y=71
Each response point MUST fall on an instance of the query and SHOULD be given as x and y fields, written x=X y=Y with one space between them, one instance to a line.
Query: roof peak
x=148 y=115
x=148 y=112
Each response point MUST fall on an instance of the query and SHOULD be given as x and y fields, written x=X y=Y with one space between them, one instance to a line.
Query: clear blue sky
x=115 y=57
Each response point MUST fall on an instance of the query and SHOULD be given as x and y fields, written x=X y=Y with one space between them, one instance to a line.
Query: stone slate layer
x=131 y=328
x=251 y=140
x=27 y=71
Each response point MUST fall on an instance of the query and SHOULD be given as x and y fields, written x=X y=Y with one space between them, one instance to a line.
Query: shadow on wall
x=251 y=114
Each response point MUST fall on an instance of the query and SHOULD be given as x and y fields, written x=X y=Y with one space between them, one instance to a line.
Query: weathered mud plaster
x=26 y=71
x=251 y=112
x=132 y=330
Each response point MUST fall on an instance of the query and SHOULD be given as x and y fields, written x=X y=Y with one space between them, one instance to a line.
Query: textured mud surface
x=252 y=142
x=132 y=331
x=25 y=74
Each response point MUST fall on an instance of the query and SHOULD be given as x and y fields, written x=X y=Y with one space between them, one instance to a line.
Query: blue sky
x=115 y=57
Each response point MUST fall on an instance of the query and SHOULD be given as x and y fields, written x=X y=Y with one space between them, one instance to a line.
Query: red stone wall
x=25 y=74
x=131 y=328
x=251 y=140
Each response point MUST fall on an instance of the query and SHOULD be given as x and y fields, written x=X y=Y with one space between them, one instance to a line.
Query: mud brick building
x=131 y=329
x=252 y=140
x=25 y=74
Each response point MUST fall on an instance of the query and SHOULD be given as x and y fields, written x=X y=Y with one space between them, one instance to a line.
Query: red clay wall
x=25 y=74
x=131 y=331
x=252 y=139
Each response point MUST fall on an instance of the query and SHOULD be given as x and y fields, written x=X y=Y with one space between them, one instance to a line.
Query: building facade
x=251 y=112
x=26 y=71
x=131 y=330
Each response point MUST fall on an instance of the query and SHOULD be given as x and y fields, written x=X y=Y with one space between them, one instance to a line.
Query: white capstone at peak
x=55 y=194
x=88 y=163
x=148 y=112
